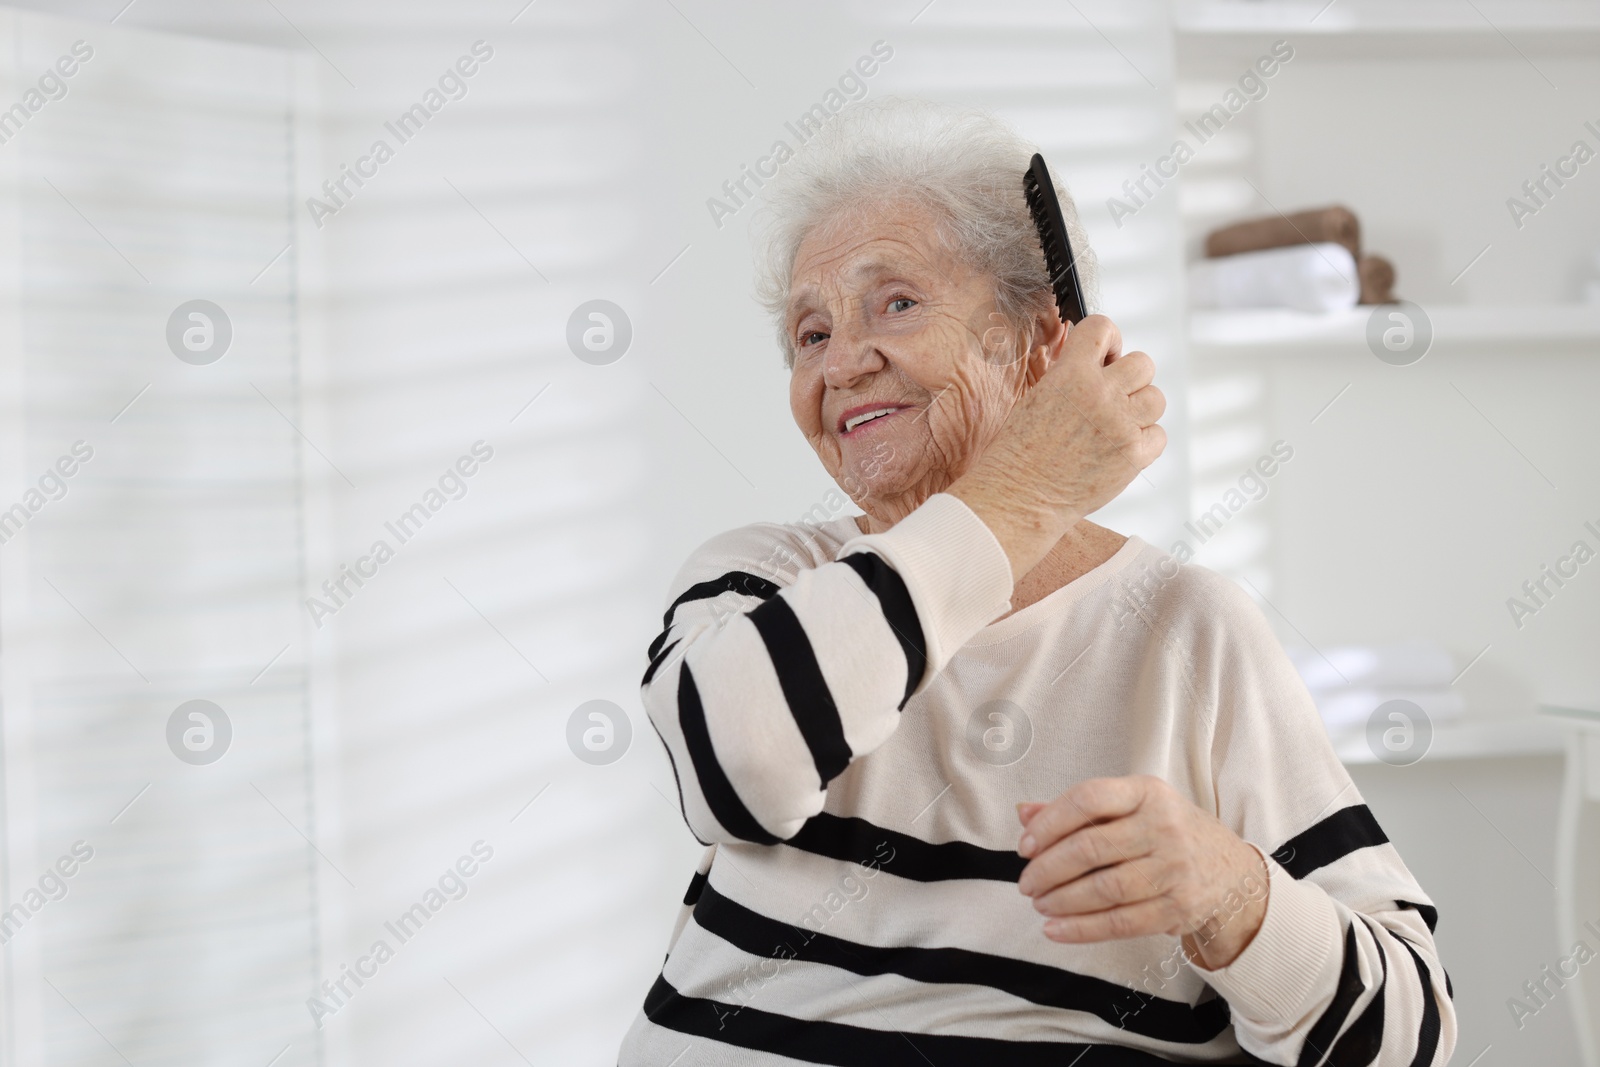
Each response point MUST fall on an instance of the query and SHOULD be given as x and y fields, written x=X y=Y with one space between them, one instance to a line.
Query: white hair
x=964 y=163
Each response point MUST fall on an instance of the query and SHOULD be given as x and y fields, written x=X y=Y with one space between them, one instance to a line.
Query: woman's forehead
x=853 y=274
x=855 y=257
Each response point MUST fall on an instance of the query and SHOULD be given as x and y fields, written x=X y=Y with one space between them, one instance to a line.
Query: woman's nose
x=851 y=353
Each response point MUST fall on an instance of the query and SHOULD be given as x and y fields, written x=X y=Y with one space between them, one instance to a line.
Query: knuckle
x=1111 y=883
x=1101 y=328
x=1083 y=850
x=1056 y=902
x=1168 y=826
x=1043 y=824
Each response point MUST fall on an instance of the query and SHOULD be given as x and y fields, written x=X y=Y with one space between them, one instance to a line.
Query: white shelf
x=1588 y=717
x=1471 y=737
x=1525 y=330
x=1234 y=32
x=1488 y=18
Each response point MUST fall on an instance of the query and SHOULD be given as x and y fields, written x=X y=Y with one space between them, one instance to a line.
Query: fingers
x=1147 y=405
x=1093 y=800
x=1027 y=809
x=1132 y=372
x=1152 y=442
x=1109 y=887
x=1130 y=920
x=1085 y=850
x=1093 y=342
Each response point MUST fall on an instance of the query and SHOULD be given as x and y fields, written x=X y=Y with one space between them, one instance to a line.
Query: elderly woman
x=984 y=782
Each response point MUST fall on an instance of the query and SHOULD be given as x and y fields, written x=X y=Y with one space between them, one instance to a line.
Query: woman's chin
x=877 y=492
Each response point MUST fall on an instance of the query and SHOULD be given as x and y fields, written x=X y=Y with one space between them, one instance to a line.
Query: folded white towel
x=1399 y=663
x=1311 y=277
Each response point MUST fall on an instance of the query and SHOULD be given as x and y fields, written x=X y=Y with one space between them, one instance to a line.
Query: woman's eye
x=901 y=300
x=805 y=338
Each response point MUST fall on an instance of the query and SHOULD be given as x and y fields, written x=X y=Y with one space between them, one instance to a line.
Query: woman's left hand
x=1114 y=858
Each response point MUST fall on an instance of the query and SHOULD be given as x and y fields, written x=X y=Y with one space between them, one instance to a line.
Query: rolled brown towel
x=1334 y=223
x=1377 y=280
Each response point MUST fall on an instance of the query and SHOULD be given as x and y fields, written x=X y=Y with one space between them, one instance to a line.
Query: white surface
x=1527 y=330
x=1467 y=737
x=1483 y=18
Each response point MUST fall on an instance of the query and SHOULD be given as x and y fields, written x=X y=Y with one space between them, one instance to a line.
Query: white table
x=1578 y=866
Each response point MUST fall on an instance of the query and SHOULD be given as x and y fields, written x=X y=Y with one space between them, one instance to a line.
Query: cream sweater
x=851 y=730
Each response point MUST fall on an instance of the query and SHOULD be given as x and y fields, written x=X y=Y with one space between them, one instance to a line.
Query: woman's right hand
x=1072 y=443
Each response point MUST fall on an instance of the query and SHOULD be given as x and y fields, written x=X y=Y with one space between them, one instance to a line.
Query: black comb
x=1046 y=211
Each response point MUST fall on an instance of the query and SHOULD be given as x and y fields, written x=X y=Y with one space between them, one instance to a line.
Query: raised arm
x=768 y=680
x=763 y=691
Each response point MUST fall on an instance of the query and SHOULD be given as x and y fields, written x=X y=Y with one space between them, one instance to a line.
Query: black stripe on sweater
x=805 y=690
x=720 y=795
x=1361 y=1044
x=1133 y=1010
x=1428 y=1031
x=1429 y=913
x=898 y=610
x=676 y=780
x=655 y=663
x=1345 y=995
x=1345 y=831
x=697 y=885
x=856 y=840
x=734 y=581
x=843 y=1045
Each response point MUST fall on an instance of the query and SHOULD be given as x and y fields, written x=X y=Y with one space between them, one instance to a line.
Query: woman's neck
x=1080 y=550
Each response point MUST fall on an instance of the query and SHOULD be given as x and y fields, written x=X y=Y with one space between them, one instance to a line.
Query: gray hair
x=964 y=163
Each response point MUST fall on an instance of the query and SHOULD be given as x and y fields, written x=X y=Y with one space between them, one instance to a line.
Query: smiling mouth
x=856 y=424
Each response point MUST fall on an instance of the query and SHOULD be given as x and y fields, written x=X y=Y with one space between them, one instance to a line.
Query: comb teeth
x=1036 y=207
x=1053 y=240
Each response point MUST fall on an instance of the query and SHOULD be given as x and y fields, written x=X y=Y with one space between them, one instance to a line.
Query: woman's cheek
x=805 y=402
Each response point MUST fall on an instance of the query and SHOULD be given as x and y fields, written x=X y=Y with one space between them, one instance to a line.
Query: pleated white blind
x=165 y=571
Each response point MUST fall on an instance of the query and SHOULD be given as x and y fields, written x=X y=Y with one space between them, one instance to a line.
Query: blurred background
x=241 y=345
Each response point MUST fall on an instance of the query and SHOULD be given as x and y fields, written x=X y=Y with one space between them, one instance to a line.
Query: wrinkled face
x=883 y=317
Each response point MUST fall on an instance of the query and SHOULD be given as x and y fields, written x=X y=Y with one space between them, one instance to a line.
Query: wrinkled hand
x=1115 y=858
x=1086 y=428
x=1079 y=434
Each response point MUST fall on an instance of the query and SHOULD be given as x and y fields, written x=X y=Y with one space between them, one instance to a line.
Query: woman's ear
x=1049 y=338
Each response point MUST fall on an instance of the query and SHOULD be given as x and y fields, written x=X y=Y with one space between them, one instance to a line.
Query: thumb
x=1027 y=809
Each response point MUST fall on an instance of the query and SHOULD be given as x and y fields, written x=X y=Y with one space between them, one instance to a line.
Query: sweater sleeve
x=1344 y=968
x=769 y=677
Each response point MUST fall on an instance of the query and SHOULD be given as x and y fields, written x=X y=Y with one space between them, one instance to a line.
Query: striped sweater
x=851 y=728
